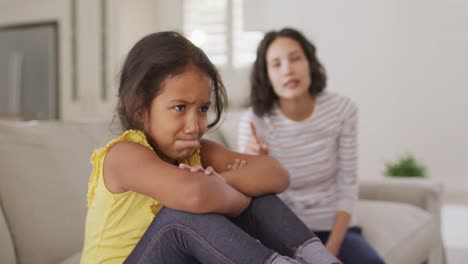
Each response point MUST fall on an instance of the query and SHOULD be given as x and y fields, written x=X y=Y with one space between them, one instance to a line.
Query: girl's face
x=177 y=118
x=288 y=68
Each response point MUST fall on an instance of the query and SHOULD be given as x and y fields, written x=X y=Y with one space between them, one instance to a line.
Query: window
x=216 y=27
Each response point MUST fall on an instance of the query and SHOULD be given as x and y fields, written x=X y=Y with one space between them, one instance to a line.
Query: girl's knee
x=266 y=199
x=269 y=202
x=169 y=216
x=180 y=216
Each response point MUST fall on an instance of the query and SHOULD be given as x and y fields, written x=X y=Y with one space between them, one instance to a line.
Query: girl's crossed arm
x=262 y=175
x=130 y=166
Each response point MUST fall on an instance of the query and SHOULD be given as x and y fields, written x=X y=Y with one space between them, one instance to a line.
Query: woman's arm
x=346 y=175
x=130 y=166
x=248 y=141
x=340 y=227
x=261 y=175
x=347 y=189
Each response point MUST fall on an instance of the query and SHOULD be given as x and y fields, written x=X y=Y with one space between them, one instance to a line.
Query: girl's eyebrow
x=179 y=101
x=182 y=101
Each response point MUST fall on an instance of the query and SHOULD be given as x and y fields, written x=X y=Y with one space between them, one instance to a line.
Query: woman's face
x=177 y=118
x=288 y=68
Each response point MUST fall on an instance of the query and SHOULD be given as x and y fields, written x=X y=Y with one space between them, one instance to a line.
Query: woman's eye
x=296 y=58
x=204 y=109
x=179 y=108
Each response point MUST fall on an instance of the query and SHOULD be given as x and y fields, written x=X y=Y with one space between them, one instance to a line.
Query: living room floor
x=455 y=232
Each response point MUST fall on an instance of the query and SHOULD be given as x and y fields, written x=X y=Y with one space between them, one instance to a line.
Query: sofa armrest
x=423 y=193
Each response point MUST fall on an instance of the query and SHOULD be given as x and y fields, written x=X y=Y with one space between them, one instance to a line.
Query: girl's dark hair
x=262 y=95
x=149 y=62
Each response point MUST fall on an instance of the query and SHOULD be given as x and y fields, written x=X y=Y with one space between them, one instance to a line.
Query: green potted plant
x=406 y=166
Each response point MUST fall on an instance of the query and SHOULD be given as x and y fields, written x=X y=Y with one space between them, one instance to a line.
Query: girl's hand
x=243 y=202
x=255 y=146
x=208 y=171
x=238 y=164
x=197 y=168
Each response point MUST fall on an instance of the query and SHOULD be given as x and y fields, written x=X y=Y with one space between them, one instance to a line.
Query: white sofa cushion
x=45 y=170
x=7 y=251
x=73 y=259
x=401 y=233
x=230 y=127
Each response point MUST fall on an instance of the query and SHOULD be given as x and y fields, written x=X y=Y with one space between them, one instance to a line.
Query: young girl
x=160 y=193
x=313 y=133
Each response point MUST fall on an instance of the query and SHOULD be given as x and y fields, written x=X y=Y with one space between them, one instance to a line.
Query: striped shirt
x=319 y=153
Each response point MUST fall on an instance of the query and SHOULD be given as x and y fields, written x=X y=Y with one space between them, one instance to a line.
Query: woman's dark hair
x=262 y=95
x=149 y=62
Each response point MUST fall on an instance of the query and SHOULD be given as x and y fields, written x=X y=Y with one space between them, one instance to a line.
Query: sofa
x=44 y=169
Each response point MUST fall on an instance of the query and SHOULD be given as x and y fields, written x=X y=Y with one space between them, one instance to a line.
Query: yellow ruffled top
x=116 y=222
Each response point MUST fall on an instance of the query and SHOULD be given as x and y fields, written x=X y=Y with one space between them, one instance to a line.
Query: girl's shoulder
x=135 y=136
x=98 y=156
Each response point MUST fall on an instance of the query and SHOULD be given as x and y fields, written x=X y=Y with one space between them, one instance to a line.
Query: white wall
x=23 y=11
x=127 y=21
x=404 y=62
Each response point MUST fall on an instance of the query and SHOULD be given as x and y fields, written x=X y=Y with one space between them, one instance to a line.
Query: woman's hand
x=255 y=146
x=332 y=248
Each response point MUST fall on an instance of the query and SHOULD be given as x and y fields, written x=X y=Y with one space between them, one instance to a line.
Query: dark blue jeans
x=355 y=249
x=181 y=237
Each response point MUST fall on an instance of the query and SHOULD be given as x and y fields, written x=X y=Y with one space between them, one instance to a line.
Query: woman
x=313 y=133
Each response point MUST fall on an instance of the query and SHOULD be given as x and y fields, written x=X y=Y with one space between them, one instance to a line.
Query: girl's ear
x=141 y=116
x=138 y=115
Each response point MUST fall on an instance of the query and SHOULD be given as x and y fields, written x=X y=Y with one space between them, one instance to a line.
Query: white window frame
x=240 y=46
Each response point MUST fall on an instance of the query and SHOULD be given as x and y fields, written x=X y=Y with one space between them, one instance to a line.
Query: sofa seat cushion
x=44 y=170
x=401 y=233
x=7 y=251
x=73 y=259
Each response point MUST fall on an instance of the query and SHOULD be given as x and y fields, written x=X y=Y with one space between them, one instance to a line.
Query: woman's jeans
x=354 y=248
x=181 y=237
